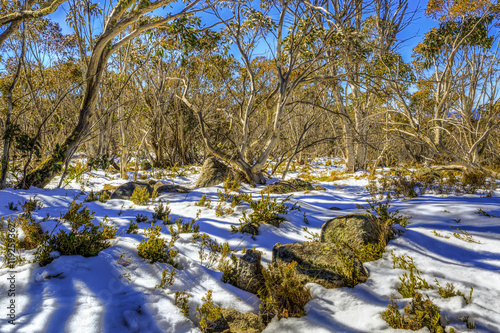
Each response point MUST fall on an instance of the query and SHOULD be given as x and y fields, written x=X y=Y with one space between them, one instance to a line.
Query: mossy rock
x=159 y=187
x=242 y=323
x=109 y=187
x=426 y=175
x=249 y=272
x=288 y=186
x=326 y=264
x=250 y=228
x=214 y=172
x=126 y=190
x=319 y=188
x=356 y=231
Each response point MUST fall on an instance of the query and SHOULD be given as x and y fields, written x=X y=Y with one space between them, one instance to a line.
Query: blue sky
x=412 y=35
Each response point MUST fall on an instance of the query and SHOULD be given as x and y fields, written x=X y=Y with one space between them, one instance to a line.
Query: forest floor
x=454 y=239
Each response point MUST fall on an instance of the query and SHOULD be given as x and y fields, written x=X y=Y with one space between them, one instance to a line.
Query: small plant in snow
x=156 y=248
x=140 y=196
x=162 y=212
x=181 y=300
x=167 y=279
x=208 y=313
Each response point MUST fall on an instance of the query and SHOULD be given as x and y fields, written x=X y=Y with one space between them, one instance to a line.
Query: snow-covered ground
x=107 y=294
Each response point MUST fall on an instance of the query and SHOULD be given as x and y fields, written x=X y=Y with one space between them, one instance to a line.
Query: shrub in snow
x=283 y=294
x=140 y=196
x=419 y=314
x=83 y=238
x=181 y=300
x=155 y=248
x=210 y=315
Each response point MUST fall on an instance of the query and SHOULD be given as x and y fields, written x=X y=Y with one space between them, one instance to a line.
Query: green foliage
x=229 y=270
x=156 y=248
x=465 y=236
x=377 y=206
x=9 y=243
x=140 y=196
x=186 y=227
x=167 y=279
x=211 y=252
x=312 y=236
x=101 y=196
x=449 y=291
x=162 y=212
x=12 y=206
x=141 y=218
x=410 y=282
x=31 y=205
x=204 y=202
x=97 y=163
x=208 y=312
x=283 y=294
x=266 y=210
x=133 y=227
x=83 y=238
x=181 y=300
x=419 y=314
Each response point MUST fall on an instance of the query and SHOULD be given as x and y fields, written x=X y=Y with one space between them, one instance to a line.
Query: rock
x=319 y=188
x=109 y=187
x=334 y=208
x=249 y=270
x=355 y=230
x=145 y=165
x=126 y=190
x=326 y=264
x=219 y=326
x=159 y=187
x=285 y=186
x=242 y=323
x=251 y=228
x=212 y=173
x=426 y=175
x=152 y=182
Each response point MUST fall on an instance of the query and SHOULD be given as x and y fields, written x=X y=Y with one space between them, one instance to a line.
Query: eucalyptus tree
x=256 y=100
x=366 y=39
x=125 y=15
x=13 y=12
x=455 y=109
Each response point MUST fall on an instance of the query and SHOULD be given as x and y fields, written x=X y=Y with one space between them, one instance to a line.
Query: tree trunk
x=48 y=169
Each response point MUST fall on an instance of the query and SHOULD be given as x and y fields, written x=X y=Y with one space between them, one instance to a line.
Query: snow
x=106 y=294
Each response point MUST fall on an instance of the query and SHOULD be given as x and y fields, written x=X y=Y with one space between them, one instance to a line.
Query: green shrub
x=12 y=206
x=140 y=196
x=167 y=279
x=133 y=227
x=208 y=312
x=419 y=314
x=181 y=300
x=449 y=291
x=155 y=248
x=204 y=202
x=84 y=238
x=141 y=218
x=266 y=210
x=92 y=197
x=229 y=270
x=186 y=227
x=31 y=205
x=162 y=212
x=9 y=243
x=283 y=294
x=210 y=252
